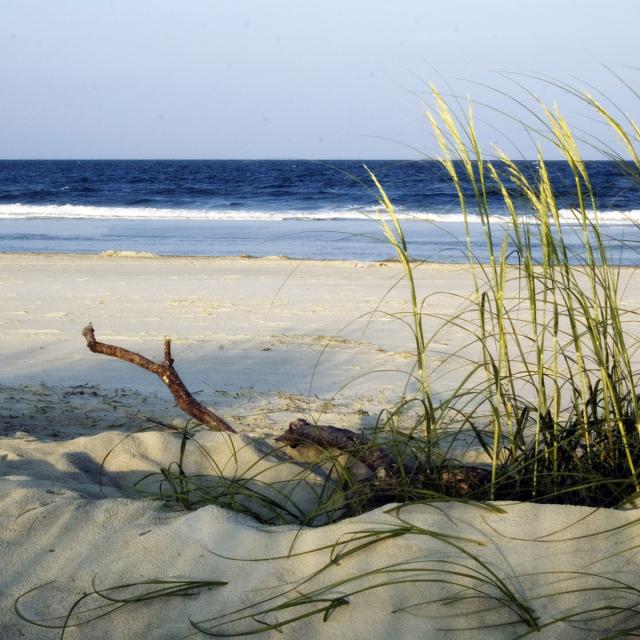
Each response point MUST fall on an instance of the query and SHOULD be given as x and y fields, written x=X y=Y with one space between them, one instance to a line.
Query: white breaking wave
x=82 y=212
x=78 y=212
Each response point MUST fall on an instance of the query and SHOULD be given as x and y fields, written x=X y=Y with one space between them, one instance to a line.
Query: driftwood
x=453 y=479
x=167 y=373
x=327 y=437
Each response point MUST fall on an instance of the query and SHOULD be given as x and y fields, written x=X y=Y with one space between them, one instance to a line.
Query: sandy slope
x=248 y=335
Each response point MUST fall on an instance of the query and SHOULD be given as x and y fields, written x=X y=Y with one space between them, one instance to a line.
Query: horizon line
x=275 y=159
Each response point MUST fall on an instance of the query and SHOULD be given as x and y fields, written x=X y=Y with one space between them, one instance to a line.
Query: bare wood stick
x=456 y=480
x=166 y=372
x=327 y=437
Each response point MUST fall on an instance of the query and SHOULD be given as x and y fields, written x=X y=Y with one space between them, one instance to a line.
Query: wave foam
x=78 y=212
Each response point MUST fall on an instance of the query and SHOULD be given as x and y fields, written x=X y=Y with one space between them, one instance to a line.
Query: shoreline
x=129 y=255
x=125 y=254
x=352 y=262
x=340 y=240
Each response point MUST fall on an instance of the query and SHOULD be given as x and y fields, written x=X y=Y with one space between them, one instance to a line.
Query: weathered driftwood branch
x=326 y=437
x=455 y=480
x=166 y=372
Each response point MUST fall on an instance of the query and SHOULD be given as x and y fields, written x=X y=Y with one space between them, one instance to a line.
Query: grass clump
x=552 y=394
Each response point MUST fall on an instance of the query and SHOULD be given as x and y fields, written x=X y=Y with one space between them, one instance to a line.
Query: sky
x=290 y=78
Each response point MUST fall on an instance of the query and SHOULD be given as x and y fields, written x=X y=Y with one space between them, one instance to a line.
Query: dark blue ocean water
x=304 y=209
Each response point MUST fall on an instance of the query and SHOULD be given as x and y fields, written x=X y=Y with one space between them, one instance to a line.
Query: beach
x=262 y=342
x=252 y=336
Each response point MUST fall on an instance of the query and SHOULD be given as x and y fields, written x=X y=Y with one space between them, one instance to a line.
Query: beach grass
x=558 y=411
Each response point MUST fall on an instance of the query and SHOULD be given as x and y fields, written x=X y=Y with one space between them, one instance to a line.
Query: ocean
x=296 y=208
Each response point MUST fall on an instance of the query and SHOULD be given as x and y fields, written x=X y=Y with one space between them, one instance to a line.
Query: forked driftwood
x=166 y=372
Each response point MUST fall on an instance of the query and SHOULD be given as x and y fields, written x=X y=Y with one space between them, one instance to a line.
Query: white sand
x=248 y=336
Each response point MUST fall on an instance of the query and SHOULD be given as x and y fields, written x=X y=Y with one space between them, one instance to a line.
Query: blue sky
x=284 y=78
